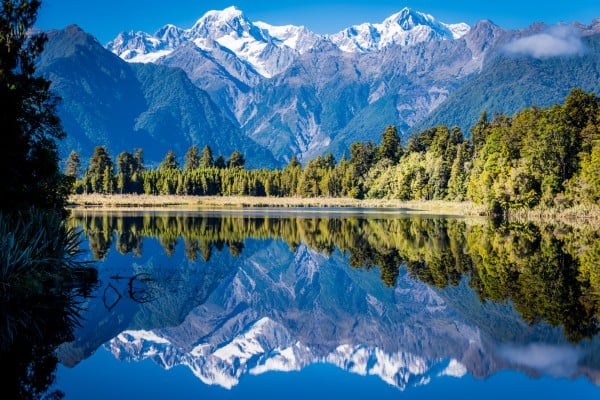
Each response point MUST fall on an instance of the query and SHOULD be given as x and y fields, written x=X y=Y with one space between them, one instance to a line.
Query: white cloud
x=556 y=41
x=554 y=360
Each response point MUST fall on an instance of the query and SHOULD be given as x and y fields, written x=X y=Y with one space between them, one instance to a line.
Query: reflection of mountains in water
x=269 y=308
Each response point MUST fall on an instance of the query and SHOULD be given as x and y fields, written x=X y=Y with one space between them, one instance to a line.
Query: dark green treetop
x=29 y=167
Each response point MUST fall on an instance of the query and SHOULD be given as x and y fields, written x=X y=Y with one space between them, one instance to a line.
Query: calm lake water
x=334 y=305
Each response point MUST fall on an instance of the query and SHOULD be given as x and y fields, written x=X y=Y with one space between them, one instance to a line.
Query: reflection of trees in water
x=550 y=274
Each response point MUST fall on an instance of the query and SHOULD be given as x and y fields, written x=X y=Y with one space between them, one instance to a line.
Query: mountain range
x=277 y=91
x=271 y=308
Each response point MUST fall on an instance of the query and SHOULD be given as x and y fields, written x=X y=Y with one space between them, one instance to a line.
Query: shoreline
x=588 y=217
x=131 y=202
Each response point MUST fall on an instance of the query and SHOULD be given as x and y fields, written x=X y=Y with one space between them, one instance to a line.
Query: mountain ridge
x=296 y=93
x=106 y=101
x=230 y=26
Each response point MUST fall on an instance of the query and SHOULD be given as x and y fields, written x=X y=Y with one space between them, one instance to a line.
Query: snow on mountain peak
x=266 y=345
x=408 y=19
x=229 y=13
x=295 y=37
x=270 y=50
x=405 y=28
x=219 y=22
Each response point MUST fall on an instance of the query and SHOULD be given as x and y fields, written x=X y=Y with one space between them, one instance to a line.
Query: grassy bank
x=584 y=216
x=136 y=202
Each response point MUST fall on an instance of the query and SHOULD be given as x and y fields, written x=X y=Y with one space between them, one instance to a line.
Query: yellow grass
x=137 y=202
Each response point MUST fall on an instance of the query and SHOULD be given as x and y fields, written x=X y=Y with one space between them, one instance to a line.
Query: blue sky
x=106 y=18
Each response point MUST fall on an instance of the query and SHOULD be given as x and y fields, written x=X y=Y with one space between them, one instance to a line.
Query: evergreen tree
x=220 y=162
x=390 y=147
x=169 y=162
x=479 y=131
x=29 y=163
x=236 y=160
x=294 y=163
x=192 y=159
x=100 y=171
x=138 y=155
x=126 y=167
x=206 y=160
x=73 y=165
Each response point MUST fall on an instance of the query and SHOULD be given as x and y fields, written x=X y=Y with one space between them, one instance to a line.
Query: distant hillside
x=508 y=84
x=107 y=101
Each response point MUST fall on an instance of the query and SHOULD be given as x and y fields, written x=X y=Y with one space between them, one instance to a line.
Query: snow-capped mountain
x=405 y=28
x=267 y=346
x=271 y=49
x=281 y=84
x=298 y=38
x=295 y=92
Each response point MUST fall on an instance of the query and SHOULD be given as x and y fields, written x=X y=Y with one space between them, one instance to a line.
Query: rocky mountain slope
x=106 y=101
x=294 y=92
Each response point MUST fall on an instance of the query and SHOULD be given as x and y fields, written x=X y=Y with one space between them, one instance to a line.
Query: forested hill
x=548 y=157
x=508 y=84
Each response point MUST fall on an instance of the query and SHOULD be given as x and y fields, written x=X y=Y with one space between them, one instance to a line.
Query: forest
x=539 y=157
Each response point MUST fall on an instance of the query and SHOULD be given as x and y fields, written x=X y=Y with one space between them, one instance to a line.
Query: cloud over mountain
x=556 y=41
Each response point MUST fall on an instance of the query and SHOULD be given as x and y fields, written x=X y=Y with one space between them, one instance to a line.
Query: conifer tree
x=236 y=160
x=169 y=162
x=138 y=155
x=29 y=168
x=206 y=160
x=100 y=171
x=192 y=159
x=390 y=147
x=220 y=162
x=73 y=165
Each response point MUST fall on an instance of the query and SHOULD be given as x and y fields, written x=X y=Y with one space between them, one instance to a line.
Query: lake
x=333 y=304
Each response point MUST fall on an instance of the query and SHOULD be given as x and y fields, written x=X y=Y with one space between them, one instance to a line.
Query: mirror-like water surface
x=262 y=306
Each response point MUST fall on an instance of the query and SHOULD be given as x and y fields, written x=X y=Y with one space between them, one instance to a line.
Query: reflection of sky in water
x=227 y=327
x=104 y=377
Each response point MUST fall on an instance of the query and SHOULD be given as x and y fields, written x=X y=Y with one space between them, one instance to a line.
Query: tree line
x=538 y=157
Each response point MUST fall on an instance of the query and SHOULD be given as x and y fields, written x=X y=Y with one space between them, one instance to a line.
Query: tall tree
x=192 y=158
x=98 y=177
x=390 y=147
x=169 y=162
x=29 y=170
x=479 y=132
x=73 y=165
x=236 y=160
x=206 y=160
x=126 y=166
x=138 y=155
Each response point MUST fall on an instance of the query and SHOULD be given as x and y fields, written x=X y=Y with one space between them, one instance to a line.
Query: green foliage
x=529 y=159
x=390 y=147
x=220 y=162
x=37 y=251
x=169 y=162
x=73 y=165
x=29 y=168
x=236 y=160
x=540 y=157
x=100 y=173
x=206 y=160
x=192 y=158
